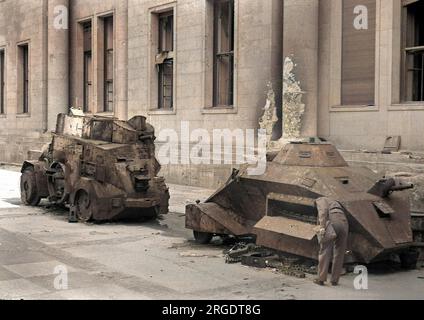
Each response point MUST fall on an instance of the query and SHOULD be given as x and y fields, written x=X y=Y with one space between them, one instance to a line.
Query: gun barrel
x=403 y=187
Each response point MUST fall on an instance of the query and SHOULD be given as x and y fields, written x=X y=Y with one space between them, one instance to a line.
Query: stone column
x=301 y=25
x=121 y=66
x=58 y=61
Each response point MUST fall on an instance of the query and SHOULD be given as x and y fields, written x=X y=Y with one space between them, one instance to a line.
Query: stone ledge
x=405 y=157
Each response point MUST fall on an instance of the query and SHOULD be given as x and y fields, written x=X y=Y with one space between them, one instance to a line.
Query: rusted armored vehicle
x=278 y=208
x=101 y=168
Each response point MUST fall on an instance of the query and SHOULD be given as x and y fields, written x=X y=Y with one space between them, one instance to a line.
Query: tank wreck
x=102 y=169
x=278 y=208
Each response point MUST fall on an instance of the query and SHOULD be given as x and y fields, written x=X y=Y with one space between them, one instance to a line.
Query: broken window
x=165 y=61
x=414 y=51
x=109 y=65
x=88 y=70
x=2 y=85
x=23 y=78
x=223 y=94
x=358 y=53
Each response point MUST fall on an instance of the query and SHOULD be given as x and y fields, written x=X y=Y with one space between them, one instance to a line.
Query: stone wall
x=258 y=60
x=383 y=164
x=311 y=34
x=22 y=22
x=94 y=11
x=26 y=22
x=366 y=127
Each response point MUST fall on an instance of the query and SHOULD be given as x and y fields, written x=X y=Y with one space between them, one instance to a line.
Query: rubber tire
x=164 y=203
x=202 y=237
x=163 y=207
x=28 y=181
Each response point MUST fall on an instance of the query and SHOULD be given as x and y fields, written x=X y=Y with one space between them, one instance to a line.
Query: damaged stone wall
x=269 y=119
x=293 y=107
x=23 y=22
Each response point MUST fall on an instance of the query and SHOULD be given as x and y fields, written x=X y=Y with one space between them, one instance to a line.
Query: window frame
x=218 y=54
x=407 y=50
x=2 y=82
x=335 y=61
x=152 y=73
x=106 y=80
x=23 y=76
x=88 y=55
x=344 y=81
x=87 y=104
x=169 y=61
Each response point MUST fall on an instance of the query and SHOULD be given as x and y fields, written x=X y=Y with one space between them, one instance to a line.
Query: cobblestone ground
x=154 y=260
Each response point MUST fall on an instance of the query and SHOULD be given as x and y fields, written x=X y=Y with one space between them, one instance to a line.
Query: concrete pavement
x=153 y=260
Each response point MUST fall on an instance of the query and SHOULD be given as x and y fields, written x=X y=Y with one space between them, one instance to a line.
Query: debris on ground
x=235 y=254
x=249 y=254
x=191 y=254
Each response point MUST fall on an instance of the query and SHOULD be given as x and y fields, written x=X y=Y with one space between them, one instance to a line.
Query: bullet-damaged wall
x=58 y=60
x=367 y=127
x=301 y=35
x=23 y=22
x=258 y=59
x=311 y=30
x=95 y=11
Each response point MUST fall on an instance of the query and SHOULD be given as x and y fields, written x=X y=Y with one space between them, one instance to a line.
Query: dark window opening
x=223 y=92
x=23 y=52
x=2 y=84
x=166 y=32
x=414 y=52
x=166 y=75
x=88 y=70
x=165 y=61
x=109 y=65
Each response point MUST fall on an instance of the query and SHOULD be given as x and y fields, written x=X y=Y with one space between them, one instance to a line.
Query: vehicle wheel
x=163 y=207
x=202 y=237
x=164 y=203
x=56 y=183
x=228 y=240
x=83 y=206
x=409 y=259
x=29 y=192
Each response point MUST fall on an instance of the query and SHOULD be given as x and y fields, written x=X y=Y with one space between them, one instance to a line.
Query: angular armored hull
x=278 y=207
x=102 y=169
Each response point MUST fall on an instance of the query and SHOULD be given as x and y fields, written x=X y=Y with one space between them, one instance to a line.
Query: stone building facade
x=23 y=28
x=208 y=63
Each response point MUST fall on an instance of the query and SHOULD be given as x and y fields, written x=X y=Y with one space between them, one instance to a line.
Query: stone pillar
x=121 y=66
x=301 y=25
x=58 y=62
